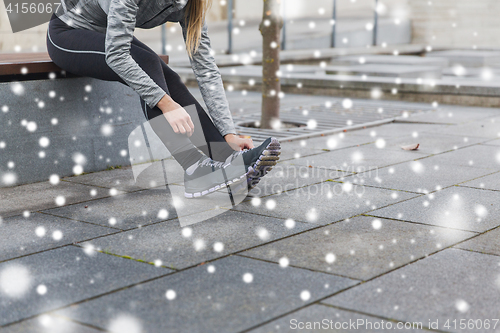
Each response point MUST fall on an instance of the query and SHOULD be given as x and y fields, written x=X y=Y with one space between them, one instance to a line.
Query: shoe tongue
x=192 y=168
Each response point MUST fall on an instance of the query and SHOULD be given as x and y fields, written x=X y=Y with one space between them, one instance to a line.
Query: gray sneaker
x=207 y=176
x=259 y=160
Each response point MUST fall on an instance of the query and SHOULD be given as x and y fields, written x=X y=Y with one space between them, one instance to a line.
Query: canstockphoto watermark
x=357 y=324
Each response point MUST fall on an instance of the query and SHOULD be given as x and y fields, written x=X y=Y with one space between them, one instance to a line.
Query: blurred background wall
x=438 y=22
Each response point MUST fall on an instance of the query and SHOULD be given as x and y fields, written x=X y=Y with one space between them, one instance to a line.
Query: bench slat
x=36 y=62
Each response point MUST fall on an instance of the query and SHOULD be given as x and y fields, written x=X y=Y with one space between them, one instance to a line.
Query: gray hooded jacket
x=118 y=19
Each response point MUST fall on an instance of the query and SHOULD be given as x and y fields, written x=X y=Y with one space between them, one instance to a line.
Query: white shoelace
x=210 y=162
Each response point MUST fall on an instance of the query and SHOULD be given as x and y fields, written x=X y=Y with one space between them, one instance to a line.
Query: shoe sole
x=267 y=159
x=215 y=188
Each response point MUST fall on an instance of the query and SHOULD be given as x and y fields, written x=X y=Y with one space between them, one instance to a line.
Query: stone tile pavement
x=347 y=229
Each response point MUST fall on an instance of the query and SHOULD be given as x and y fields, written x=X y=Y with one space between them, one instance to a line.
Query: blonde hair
x=195 y=14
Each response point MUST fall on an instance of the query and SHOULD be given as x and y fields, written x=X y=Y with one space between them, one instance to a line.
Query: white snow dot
x=256 y=201
x=480 y=210
x=57 y=235
x=77 y=169
x=290 y=224
x=347 y=103
x=199 y=244
x=376 y=224
x=263 y=233
x=125 y=323
x=347 y=187
x=211 y=269
x=31 y=126
x=60 y=200
x=40 y=231
x=89 y=249
x=305 y=295
x=17 y=88
x=41 y=289
x=218 y=247
x=380 y=143
x=330 y=258
x=270 y=204
x=247 y=277
x=163 y=214
x=284 y=262
x=44 y=142
x=15 y=280
x=170 y=294
x=106 y=130
x=187 y=232
x=462 y=305
x=312 y=124
x=9 y=178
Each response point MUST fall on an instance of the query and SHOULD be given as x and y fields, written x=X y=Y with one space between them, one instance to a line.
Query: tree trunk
x=270 y=28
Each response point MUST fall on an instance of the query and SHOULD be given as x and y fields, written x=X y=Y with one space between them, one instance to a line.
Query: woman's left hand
x=238 y=143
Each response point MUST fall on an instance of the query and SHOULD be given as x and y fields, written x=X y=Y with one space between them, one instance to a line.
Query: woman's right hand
x=176 y=116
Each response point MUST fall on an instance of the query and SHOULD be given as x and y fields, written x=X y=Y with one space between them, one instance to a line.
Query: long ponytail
x=196 y=11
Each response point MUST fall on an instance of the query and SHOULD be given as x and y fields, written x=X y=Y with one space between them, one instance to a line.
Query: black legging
x=67 y=54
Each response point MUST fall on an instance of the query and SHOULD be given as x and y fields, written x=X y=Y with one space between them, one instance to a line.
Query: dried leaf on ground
x=411 y=147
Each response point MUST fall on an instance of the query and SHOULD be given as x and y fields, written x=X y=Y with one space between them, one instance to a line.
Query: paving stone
x=20 y=236
x=422 y=176
x=212 y=302
x=398 y=129
x=123 y=211
x=455 y=207
x=453 y=115
x=69 y=275
x=442 y=287
x=358 y=159
x=319 y=145
x=38 y=196
x=486 y=128
x=391 y=70
x=285 y=177
x=323 y=203
x=490 y=182
x=47 y=323
x=493 y=142
x=468 y=58
x=323 y=318
x=485 y=243
x=235 y=231
x=390 y=60
x=359 y=249
x=123 y=179
x=478 y=156
x=429 y=143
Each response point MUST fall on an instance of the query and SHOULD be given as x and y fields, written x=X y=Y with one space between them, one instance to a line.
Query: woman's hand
x=238 y=143
x=176 y=116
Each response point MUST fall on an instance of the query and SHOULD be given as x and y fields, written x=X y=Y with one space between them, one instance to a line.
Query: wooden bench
x=13 y=64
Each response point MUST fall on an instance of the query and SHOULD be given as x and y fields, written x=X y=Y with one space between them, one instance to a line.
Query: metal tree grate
x=326 y=119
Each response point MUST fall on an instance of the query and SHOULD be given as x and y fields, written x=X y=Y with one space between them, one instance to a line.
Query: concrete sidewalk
x=346 y=229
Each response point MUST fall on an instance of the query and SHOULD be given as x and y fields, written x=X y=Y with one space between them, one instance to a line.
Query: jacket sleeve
x=210 y=82
x=119 y=35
